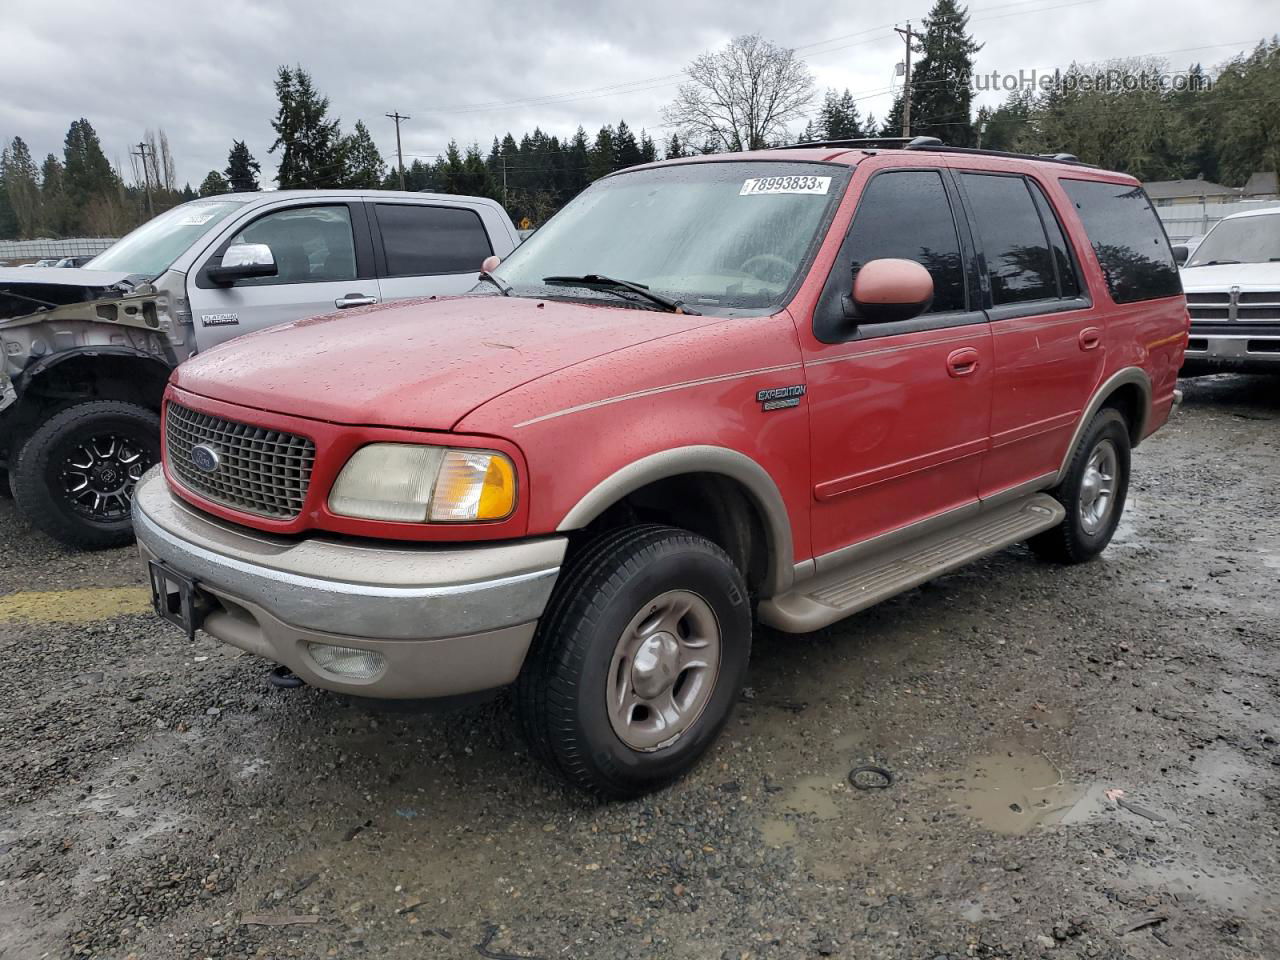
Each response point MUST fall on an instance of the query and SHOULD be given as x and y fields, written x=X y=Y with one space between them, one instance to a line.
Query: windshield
x=1244 y=240
x=151 y=248
x=719 y=236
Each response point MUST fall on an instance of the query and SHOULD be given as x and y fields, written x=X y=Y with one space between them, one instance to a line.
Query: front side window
x=1127 y=238
x=421 y=240
x=906 y=214
x=1240 y=240
x=1014 y=244
x=721 y=236
x=309 y=244
x=154 y=246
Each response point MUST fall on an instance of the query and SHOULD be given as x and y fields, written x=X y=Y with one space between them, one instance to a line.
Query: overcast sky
x=467 y=71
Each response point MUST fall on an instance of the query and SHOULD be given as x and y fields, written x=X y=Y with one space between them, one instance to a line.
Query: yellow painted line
x=74 y=606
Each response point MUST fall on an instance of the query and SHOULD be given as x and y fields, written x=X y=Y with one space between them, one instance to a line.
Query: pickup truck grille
x=255 y=470
x=1253 y=307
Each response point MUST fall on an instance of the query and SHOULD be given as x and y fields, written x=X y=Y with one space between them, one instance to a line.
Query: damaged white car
x=85 y=353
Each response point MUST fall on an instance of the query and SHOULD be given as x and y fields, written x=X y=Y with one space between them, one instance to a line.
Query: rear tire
x=74 y=476
x=637 y=662
x=1093 y=492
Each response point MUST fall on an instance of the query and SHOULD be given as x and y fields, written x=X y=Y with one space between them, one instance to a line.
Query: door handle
x=1090 y=338
x=354 y=300
x=962 y=362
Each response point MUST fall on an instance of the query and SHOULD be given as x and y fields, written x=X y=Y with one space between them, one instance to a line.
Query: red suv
x=781 y=385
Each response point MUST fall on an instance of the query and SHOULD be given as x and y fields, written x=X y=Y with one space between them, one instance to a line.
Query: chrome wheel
x=664 y=670
x=99 y=475
x=1098 y=487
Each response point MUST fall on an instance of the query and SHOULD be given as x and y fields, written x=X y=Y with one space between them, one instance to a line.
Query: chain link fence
x=16 y=251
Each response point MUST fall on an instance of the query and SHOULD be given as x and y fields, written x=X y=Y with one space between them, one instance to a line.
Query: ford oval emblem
x=205 y=457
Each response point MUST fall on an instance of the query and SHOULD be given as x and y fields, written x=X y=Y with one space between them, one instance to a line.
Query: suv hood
x=1222 y=276
x=416 y=364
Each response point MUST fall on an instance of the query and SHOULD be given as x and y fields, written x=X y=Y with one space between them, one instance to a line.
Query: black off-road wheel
x=1093 y=492
x=74 y=476
x=637 y=662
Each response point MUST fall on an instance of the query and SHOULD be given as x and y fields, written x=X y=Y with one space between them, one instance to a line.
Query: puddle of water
x=1235 y=892
x=778 y=833
x=815 y=796
x=1014 y=790
x=74 y=606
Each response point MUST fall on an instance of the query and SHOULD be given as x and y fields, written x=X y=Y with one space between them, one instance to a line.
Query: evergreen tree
x=365 y=167
x=626 y=149
x=941 y=88
x=8 y=219
x=577 y=164
x=187 y=193
x=310 y=143
x=675 y=149
x=53 y=197
x=648 y=149
x=838 y=118
x=22 y=185
x=88 y=181
x=603 y=155
x=213 y=185
x=242 y=170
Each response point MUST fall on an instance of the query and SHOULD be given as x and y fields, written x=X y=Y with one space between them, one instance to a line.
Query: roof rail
x=910 y=143
x=933 y=144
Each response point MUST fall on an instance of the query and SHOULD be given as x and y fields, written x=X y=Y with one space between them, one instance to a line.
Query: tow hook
x=282 y=678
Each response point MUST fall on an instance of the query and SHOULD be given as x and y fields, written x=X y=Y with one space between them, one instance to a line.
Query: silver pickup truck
x=85 y=353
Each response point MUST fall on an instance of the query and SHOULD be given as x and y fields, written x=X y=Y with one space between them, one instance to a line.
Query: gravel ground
x=156 y=798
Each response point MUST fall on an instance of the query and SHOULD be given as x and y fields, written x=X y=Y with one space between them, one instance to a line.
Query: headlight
x=415 y=484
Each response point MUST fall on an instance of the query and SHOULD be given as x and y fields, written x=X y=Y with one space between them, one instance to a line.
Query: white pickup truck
x=1232 y=283
x=85 y=353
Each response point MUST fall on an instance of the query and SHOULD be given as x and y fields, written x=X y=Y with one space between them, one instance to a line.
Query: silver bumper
x=448 y=619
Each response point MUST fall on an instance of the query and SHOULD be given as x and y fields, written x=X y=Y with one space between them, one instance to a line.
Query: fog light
x=347 y=661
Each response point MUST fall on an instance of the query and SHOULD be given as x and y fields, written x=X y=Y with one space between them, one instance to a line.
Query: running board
x=835 y=594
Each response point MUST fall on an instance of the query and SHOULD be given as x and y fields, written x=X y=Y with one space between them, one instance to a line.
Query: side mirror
x=242 y=261
x=490 y=263
x=1181 y=252
x=891 y=289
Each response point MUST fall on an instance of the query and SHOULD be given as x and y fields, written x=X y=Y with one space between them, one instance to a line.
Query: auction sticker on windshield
x=805 y=184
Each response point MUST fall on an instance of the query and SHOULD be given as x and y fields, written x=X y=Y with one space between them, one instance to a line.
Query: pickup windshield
x=1246 y=240
x=719 y=236
x=151 y=248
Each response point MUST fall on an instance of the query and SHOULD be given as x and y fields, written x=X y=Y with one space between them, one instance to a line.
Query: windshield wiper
x=596 y=281
x=1214 y=263
x=505 y=288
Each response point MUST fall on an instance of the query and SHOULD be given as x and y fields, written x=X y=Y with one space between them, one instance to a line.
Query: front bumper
x=1239 y=352
x=445 y=620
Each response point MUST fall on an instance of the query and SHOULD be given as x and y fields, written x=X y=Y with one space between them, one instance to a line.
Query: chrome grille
x=260 y=471
x=1235 y=306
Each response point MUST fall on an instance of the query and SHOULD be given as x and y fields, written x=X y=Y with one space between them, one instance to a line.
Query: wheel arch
x=143 y=375
x=731 y=473
x=1127 y=390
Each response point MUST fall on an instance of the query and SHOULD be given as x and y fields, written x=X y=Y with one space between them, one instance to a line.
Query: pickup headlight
x=409 y=483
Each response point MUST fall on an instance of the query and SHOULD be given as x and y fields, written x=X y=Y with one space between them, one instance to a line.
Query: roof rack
x=935 y=145
x=904 y=143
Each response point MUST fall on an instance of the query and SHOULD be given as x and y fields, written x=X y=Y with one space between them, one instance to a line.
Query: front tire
x=74 y=476
x=637 y=662
x=1093 y=492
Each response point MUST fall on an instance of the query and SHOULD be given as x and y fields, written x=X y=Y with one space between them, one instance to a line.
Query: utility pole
x=982 y=128
x=907 y=35
x=399 y=154
x=146 y=175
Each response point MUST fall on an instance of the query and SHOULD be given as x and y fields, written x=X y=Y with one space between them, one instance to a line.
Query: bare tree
x=743 y=96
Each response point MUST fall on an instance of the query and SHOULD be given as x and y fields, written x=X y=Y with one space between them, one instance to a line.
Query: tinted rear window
x=424 y=240
x=1128 y=239
x=1013 y=239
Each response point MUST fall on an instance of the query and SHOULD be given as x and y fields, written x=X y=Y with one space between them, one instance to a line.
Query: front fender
x=759 y=485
